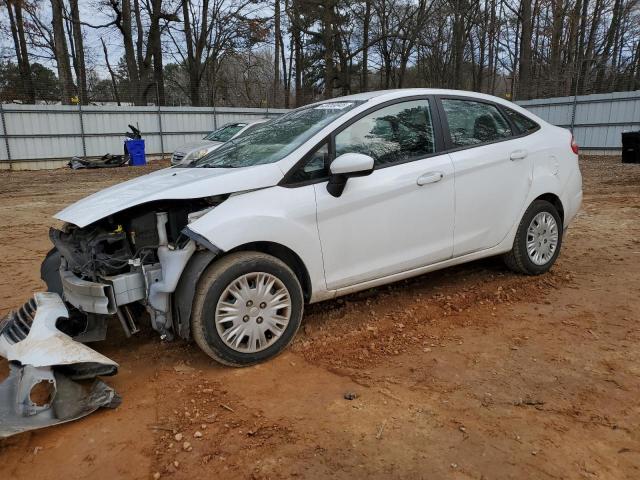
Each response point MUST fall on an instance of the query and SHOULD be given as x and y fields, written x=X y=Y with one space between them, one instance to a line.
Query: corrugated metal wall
x=599 y=118
x=47 y=136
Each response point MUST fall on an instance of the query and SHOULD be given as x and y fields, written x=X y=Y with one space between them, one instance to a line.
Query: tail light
x=574 y=145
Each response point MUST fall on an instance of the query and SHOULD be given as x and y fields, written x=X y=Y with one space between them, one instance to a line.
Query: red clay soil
x=468 y=373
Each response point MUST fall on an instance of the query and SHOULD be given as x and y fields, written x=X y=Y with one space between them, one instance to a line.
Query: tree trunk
x=557 y=13
x=158 y=72
x=130 y=53
x=296 y=45
x=287 y=98
x=81 y=71
x=114 y=82
x=276 y=60
x=636 y=77
x=524 y=80
x=61 y=53
x=610 y=39
x=286 y=77
x=154 y=52
x=482 y=47
x=16 y=23
x=144 y=61
x=364 y=80
x=589 y=49
x=328 y=39
x=516 y=60
x=571 y=61
x=194 y=84
x=491 y=53
x=458 y=47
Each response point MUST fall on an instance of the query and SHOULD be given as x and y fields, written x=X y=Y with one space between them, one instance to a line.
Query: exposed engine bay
x=126 y=261
x=120 y=265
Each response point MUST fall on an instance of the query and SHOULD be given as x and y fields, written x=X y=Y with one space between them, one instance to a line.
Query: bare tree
x=16 y=23
x=112 y=75
x=78 y=52
x=310 y=49
x=61 y=52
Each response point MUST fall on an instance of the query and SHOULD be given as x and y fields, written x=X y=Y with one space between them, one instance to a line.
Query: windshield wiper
x=208 y=165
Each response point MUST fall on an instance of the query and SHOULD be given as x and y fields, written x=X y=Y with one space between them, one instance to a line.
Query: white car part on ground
x=48 y=363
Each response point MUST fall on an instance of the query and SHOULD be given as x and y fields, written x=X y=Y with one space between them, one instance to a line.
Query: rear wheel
x=538 y=240
x=247 y=309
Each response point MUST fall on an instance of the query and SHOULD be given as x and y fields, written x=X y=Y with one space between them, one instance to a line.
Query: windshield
x=272 y=141
x=225 y=133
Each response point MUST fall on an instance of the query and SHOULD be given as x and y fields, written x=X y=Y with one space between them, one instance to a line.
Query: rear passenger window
x=472 y=123
x=524 y=124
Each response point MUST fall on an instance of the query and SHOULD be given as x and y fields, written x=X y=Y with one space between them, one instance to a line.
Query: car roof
x=406 y=92
x=380 y=96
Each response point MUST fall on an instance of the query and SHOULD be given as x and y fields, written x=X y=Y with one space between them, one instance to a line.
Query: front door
x=401 y=216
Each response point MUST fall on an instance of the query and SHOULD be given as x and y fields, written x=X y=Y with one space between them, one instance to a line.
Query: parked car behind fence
x=190 y=152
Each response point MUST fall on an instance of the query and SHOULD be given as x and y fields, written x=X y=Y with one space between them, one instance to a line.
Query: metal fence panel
x=43 y=132
x=599 y=118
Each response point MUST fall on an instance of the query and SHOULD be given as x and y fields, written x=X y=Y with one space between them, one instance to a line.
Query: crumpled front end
x=52 y=378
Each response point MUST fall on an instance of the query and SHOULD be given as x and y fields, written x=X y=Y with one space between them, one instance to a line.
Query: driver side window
x=393 y=134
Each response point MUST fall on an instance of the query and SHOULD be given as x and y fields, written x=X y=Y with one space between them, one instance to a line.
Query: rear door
x=493 y=171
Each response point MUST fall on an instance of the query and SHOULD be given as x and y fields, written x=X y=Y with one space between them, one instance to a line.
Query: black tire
x=211 y=286
x=518 y=259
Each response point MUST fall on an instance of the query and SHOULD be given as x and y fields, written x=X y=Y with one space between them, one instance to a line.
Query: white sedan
x=329 y=199
x=190 y=152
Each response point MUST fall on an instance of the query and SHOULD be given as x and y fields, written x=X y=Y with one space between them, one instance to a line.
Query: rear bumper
x=572 y=199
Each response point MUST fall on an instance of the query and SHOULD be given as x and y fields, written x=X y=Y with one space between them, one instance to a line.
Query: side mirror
x=345 y=166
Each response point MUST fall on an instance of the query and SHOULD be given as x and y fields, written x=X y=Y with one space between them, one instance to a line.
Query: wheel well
x=285 y=254
x=555 y=201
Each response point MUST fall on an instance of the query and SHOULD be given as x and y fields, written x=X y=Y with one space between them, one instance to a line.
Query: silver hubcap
x=253 y=312
x=542 y=238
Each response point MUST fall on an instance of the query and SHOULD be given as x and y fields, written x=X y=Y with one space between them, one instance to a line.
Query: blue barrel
x=135 y=149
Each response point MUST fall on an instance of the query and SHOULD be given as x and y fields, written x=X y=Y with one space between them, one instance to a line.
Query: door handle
x=431 y=177
x=518 y=155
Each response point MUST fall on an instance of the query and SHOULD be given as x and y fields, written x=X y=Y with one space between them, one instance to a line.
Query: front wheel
x=538 y=240
x=247 y=309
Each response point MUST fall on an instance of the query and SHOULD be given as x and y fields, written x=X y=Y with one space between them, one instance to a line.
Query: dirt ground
x=468 y=373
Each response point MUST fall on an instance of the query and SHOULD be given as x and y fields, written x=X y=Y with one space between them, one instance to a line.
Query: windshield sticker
x=334 y=106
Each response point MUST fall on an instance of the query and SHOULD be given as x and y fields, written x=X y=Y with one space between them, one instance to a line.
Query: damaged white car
x=329 y=199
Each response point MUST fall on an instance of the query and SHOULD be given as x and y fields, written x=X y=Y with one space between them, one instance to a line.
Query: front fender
x=285 y=216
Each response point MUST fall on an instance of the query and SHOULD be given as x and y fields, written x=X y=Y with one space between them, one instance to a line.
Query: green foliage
x=44 y=80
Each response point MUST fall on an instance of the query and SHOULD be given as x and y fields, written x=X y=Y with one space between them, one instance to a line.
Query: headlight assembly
x=197 y=155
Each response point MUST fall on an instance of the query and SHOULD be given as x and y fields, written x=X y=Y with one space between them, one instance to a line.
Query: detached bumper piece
x=59 y=399
x=52 y=378
x=16 y=326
